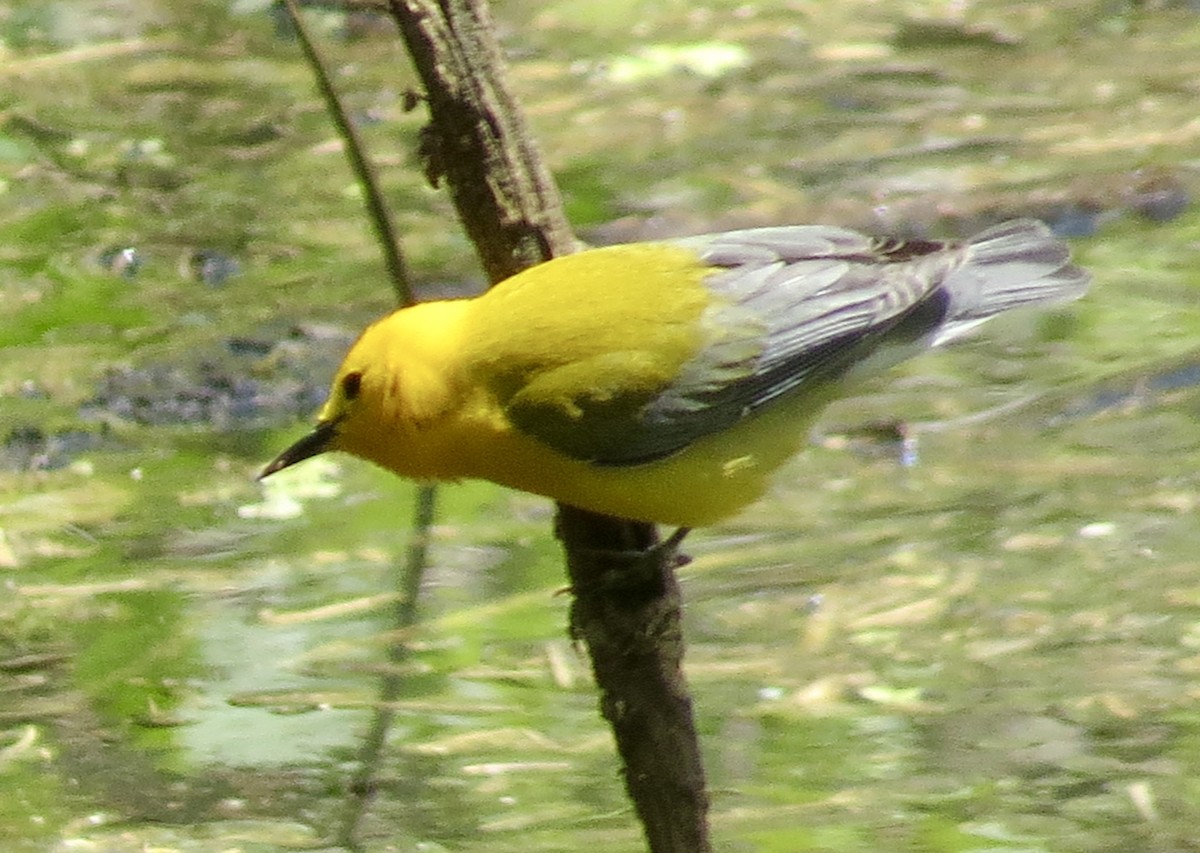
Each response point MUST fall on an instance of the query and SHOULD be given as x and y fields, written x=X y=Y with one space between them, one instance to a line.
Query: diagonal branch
x=478 y=145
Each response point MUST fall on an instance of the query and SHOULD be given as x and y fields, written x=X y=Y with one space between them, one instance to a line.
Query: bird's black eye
x=351 y=385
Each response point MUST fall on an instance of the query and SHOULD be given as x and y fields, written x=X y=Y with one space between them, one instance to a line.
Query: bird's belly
x=710 y=480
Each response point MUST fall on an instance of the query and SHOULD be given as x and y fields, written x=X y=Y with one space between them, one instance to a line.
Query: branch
x=477 y=144
x=477 y=141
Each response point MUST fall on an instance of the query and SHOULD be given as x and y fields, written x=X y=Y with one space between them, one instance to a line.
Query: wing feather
x=789 y=310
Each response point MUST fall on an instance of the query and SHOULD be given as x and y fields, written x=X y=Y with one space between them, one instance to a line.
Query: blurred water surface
x=995 y=647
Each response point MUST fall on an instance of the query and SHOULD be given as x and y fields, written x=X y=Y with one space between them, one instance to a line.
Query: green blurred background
x=995 y=648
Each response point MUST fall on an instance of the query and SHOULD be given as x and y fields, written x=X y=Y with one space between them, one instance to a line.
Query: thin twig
x=378 y=212
x=412 y=569
x=404 y=614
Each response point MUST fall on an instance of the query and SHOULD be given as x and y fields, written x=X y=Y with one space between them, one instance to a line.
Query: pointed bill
x=318 y=441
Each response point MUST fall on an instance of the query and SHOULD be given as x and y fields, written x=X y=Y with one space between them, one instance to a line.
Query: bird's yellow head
x=355 y=393
x=391 y=383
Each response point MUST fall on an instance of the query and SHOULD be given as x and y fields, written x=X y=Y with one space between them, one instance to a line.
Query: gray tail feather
x=1010 y=265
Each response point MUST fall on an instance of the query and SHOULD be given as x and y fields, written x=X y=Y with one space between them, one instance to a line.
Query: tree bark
x=476 y=140
x=628 y=610
x=627 y=606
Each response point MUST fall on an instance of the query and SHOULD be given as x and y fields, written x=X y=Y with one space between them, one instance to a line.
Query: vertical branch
x=478 y=145
x=477 y=141
x=630 y=617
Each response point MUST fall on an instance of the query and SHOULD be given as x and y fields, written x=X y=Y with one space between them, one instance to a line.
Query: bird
x=665 y=381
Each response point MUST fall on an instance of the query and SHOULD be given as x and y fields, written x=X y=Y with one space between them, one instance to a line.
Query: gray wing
x=795 y=308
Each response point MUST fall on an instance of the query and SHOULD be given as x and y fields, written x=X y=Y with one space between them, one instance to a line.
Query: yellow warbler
x=664 y=381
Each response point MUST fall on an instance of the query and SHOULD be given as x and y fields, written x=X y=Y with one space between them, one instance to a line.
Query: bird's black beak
x=317 y=441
